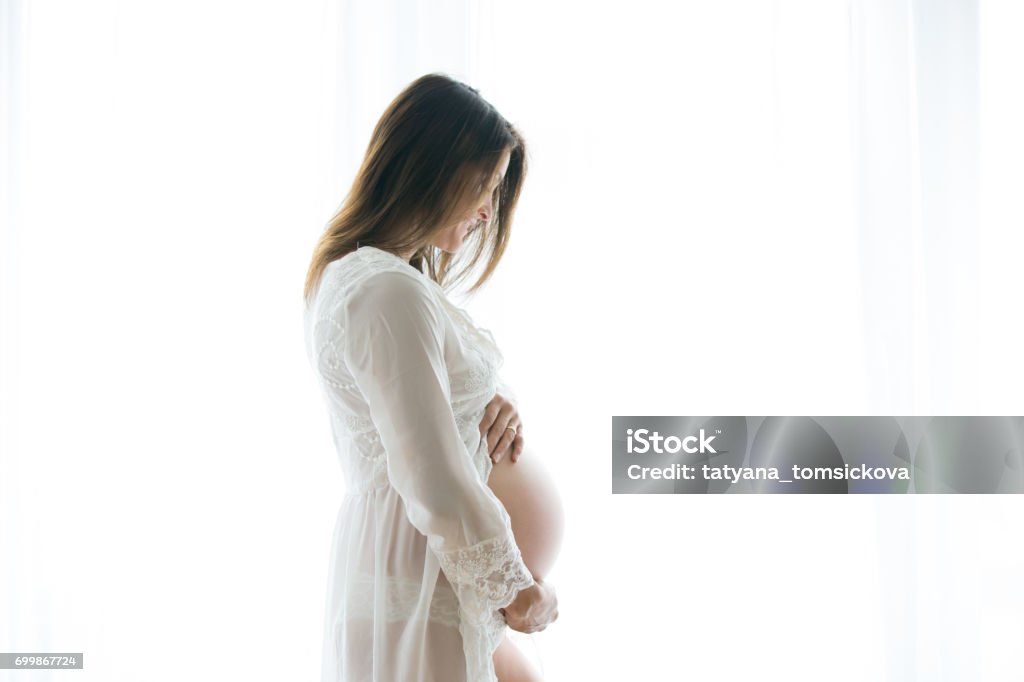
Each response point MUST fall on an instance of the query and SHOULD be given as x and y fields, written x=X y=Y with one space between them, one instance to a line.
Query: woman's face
x=450 y=239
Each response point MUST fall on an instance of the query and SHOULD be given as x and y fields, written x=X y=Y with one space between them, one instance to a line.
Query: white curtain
x=16 y=559
x=166 y=485
x=926 y=109
x=742 y=207
x=915 y=114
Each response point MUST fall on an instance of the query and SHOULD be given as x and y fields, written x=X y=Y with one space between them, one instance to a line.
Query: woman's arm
x=394 y=347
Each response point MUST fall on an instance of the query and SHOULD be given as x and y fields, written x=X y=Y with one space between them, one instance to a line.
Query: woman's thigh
x=510 y=665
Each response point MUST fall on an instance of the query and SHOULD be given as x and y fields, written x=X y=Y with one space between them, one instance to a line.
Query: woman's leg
x=511 y=665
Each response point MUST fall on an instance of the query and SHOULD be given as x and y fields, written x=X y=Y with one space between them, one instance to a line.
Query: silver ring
x=514 y=430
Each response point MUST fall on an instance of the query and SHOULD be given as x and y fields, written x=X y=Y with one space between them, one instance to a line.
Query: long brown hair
x=432 y=154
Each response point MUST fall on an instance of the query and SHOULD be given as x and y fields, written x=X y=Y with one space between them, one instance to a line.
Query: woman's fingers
x=502 y=441
x=510 y=444
x=517 y=447
x=500 y=431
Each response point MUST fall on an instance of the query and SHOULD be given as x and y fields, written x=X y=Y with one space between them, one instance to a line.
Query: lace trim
x=486 y=576
x=401 y=601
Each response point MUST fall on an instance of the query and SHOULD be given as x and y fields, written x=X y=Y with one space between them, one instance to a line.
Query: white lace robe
x=423 y=554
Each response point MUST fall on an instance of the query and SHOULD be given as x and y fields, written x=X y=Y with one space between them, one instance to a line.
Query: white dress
x=423 y=554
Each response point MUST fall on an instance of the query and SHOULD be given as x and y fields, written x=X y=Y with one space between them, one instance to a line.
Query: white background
x=739 y=207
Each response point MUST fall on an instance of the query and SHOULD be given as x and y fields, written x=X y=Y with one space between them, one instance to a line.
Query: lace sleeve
x=488 y=575
x=395 y=350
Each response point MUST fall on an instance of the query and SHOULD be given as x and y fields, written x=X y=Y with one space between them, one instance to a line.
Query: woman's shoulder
x=371 y=273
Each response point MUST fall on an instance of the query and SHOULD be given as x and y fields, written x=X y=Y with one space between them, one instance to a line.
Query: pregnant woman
x=449 y=525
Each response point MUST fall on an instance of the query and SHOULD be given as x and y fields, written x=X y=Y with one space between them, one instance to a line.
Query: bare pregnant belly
x=531 y=499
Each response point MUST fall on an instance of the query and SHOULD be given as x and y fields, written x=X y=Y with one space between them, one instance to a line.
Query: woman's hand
x=499 y=416
x=533 y=609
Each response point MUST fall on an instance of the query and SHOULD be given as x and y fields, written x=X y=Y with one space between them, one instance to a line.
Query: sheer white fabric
x=423 y=554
